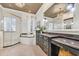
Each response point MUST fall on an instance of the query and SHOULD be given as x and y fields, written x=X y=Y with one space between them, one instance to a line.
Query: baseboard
x=11 y=45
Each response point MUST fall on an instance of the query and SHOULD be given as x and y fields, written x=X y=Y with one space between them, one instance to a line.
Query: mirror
x=68 y=23
x=58 y=14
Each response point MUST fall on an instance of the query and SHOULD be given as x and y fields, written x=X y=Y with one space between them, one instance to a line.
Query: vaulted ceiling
x=28 y=7
x=55 y=9
x=52 y=12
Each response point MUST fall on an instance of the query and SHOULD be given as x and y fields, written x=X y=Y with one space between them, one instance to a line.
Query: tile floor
x=22 y=50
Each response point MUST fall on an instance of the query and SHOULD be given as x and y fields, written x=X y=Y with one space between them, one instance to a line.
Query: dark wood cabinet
x=43 y=42
x=52 y=43
x=37 y=37
x=46 y=45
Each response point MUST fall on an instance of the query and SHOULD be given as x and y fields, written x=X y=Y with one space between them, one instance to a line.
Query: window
x=9 y=24
x=68 y=23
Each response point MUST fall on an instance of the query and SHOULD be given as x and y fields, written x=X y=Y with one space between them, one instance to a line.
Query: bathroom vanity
x=59 y=43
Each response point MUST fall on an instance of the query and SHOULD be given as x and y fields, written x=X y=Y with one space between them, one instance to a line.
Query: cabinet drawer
x=45 y=44
x=46 y=38
x=46 y=50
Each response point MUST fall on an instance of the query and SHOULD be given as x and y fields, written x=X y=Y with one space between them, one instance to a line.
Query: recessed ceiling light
x=1 y=6
x=20 y=4
x=30 y=11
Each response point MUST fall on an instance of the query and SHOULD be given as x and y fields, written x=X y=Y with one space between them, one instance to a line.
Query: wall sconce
x=45 y=20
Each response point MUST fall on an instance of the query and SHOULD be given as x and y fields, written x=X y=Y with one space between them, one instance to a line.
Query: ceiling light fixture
x=20 y=4
x=60 y=14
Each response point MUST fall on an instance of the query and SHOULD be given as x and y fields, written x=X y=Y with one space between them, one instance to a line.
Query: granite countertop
x=65 y=41
x=69 y=38
x=48 y=35
x=64 y=32
x=71 y=43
